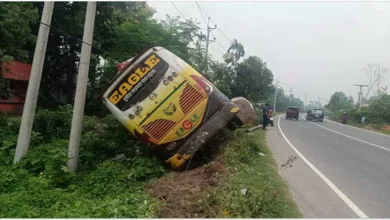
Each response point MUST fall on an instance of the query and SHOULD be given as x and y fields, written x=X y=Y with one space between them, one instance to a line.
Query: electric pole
x=276 y=89
x=209 y=29
x=34 y=83
x=304 y=107
x=81 y=88
x=290 y=96
x=360 y=93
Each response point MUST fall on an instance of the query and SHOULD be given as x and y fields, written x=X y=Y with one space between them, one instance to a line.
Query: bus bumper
x=207 y=130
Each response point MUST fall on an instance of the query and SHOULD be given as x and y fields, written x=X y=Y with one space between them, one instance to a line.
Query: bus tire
x=231 y=126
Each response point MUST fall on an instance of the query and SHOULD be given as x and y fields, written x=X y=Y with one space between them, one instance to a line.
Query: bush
x=379 y=112
x=53 y=124
x=106 y=138
x=113 y=169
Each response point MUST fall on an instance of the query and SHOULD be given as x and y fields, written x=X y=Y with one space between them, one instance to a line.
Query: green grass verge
x=266 y=194
x=370 y=127
x=113 y=170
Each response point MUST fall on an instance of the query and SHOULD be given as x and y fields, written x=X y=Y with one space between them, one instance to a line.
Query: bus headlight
x=174 y=74
x=139 y=108
x=165 y=82
x=131 y=116
x=170 y=78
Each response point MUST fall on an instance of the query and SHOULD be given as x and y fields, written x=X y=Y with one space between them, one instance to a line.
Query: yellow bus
x=167 y=104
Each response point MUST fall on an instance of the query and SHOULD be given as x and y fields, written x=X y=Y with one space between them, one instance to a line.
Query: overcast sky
x=313 y=48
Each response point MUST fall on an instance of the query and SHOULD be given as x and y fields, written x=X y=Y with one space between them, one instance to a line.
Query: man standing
x=265 y=116
x=271 y=122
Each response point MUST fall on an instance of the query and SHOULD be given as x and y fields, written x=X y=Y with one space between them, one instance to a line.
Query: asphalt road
x=340 y=171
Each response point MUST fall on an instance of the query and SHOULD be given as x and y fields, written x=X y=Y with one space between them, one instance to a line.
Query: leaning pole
x=81 y=88
x=34 y=83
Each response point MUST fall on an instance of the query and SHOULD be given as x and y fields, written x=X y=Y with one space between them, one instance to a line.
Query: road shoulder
x=314 y=198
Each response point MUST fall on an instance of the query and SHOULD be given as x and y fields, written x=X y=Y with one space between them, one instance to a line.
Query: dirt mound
x=183 y=192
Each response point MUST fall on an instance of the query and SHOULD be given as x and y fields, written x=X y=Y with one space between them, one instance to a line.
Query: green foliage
x=110 y=183
x=377 y=113
x=283 y=101
x=339 y=101
x=265 y=195
x=15 y=34
x=53 y=124
x=234 y=53
x=251 y=79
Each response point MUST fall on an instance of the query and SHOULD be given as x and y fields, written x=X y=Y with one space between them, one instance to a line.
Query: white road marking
x=356 y=139
x=350 y=126
x=342 y=196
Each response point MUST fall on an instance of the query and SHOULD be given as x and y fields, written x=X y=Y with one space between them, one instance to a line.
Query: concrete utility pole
x=209 y=29
x=276 y=89
x=360 y=93
x=290 y=96
x=81 y=89
x=304 y=106
x=34 y=83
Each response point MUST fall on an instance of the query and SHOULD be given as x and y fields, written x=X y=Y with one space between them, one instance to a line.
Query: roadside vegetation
x=376 y=113
x=253 y=187
x=115 y=170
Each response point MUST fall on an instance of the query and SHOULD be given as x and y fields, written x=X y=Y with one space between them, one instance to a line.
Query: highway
x=340 y=171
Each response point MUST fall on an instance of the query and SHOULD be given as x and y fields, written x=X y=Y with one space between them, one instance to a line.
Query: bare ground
x=183 y=192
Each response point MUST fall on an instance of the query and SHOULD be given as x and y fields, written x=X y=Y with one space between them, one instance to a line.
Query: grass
x=370 y=127
x=253 y=188
x=113 y=171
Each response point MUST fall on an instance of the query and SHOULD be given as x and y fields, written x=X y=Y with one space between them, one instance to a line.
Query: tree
x=222 y=77
x=234 y=52
x=374 y=74
x=15 y=34
x=314 y=104
x=64 y=44
x=252 y=79
x=339 y=101
x=378 y=111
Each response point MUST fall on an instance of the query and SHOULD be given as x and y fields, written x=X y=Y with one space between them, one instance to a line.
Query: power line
x=178 y=10
x=201 y=12
x=219 y=29
x=221 y=45
x=217 y=49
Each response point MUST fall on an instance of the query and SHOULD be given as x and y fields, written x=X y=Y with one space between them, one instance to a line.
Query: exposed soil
x=386 y=128
x=183 y=192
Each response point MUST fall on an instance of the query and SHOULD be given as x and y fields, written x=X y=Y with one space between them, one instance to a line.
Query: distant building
x=17 y=74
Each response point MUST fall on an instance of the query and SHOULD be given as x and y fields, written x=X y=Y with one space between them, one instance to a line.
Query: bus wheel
x=231 y=126
x=234 y=123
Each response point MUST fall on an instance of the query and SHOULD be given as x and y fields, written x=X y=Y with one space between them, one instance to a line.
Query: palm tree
x=235 y=52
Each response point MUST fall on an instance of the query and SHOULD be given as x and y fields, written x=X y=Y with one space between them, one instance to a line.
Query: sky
x=315 y=48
